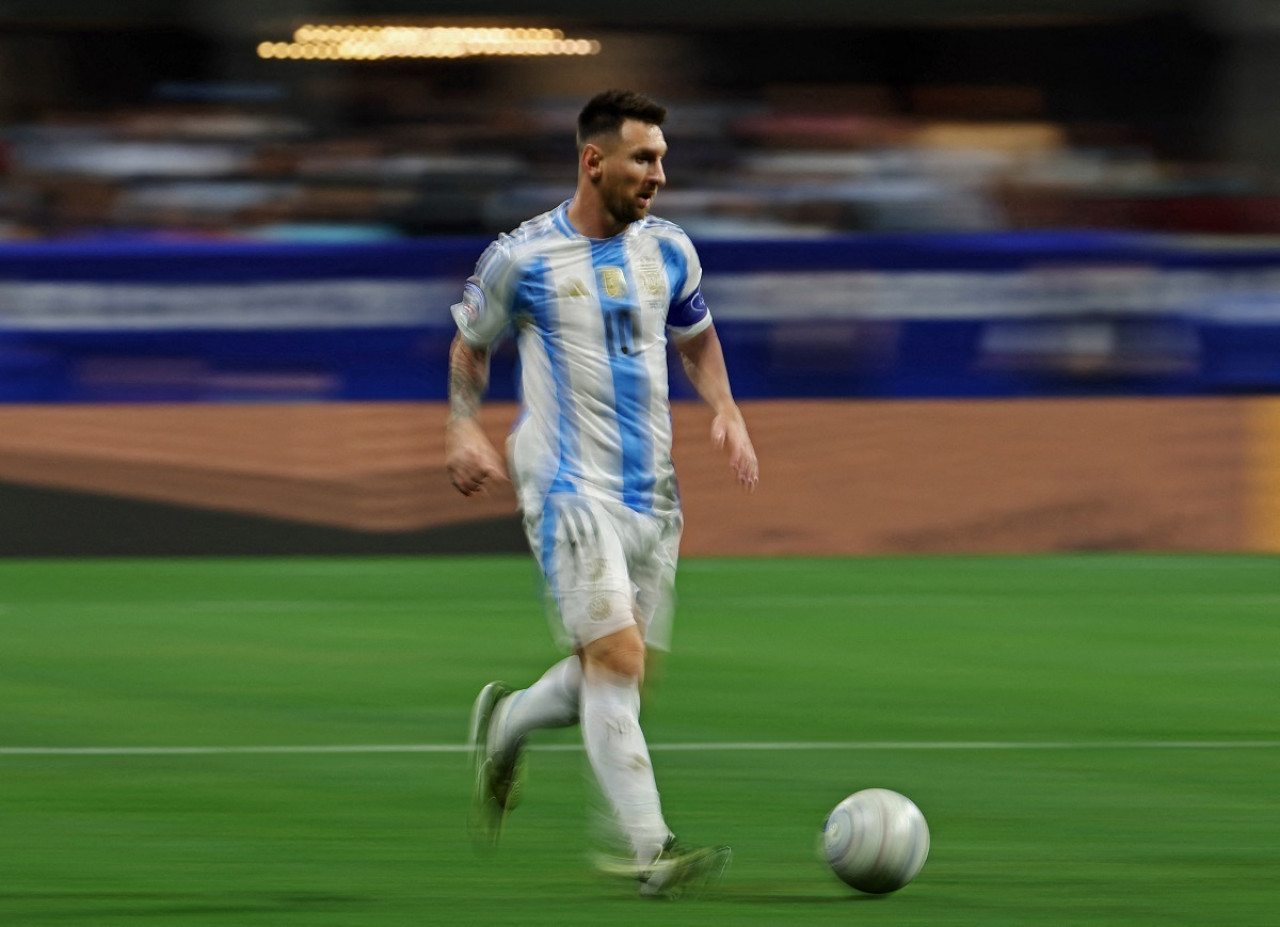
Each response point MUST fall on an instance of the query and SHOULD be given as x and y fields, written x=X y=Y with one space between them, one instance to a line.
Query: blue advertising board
x=998 y=315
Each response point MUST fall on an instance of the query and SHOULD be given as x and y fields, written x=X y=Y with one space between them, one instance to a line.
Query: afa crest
x=652 y=281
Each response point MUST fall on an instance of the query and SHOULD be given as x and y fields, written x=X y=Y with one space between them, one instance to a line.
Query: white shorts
x=607 y=567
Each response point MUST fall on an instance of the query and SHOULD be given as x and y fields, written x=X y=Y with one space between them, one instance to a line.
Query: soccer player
x=593 y=290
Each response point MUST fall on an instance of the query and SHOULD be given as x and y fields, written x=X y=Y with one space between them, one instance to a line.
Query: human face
x=630 y=173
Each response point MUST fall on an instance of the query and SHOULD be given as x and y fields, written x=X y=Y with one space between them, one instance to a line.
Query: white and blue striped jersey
x=591 y=318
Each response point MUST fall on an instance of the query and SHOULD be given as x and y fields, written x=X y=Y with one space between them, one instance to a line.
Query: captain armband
x=689 y=311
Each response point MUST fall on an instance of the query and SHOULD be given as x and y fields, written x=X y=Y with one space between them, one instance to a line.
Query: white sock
x=552 y=701
x=619 y=756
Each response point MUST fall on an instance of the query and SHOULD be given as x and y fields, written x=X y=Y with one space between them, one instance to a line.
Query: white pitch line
x=219 y=751
x=987 y=745
x=685 y=747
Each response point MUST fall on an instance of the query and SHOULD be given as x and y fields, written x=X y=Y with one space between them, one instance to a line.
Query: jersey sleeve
x=484 y=311
x=688 y=313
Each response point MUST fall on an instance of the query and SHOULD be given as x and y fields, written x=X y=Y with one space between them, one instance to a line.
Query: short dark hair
x=606 y=112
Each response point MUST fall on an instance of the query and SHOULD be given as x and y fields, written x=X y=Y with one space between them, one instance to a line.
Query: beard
x=623 y=204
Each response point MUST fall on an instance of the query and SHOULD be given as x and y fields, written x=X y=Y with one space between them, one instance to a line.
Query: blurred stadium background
x=995 y=276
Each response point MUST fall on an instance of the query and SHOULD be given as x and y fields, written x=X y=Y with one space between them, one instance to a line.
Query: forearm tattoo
x=468 y=376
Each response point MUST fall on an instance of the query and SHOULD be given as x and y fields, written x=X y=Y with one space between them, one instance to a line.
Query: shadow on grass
x=69 y=904
x=780 y=898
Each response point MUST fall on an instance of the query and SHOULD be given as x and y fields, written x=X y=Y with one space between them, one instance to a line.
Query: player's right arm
x=470 y=456
x=481 y=316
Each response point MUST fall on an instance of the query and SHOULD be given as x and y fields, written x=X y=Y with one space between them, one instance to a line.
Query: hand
x=729 y=432
x=471 y=458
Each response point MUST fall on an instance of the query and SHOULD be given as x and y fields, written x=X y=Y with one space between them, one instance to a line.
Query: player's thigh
x=585 y=562
x=653 y=577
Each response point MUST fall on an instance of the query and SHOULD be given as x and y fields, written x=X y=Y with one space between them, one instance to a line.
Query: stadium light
x=382 y=43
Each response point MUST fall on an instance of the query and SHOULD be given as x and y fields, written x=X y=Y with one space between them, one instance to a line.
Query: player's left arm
x=703 y=360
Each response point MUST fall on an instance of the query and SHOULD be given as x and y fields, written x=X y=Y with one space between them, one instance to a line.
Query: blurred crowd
x=243 y=164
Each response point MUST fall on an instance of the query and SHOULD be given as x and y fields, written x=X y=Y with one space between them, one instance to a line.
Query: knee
x=620 y=654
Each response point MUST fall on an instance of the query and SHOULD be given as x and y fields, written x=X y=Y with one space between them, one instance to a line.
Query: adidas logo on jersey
x=573 y=288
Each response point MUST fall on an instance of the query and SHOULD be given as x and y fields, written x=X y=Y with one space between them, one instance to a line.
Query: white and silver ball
x=876 y=840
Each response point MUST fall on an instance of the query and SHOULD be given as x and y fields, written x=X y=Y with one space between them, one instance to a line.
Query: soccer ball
x=876 y=840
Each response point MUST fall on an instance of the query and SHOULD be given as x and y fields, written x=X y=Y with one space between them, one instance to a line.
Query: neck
x=590 y=218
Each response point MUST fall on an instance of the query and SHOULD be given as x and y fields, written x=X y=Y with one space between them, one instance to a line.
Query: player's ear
x=592 y=158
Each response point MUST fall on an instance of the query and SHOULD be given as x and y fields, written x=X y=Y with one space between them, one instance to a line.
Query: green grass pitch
x=1093 y=739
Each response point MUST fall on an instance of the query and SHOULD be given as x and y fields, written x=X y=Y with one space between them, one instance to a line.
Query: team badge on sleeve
x=472 y=306
x=476 y=319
